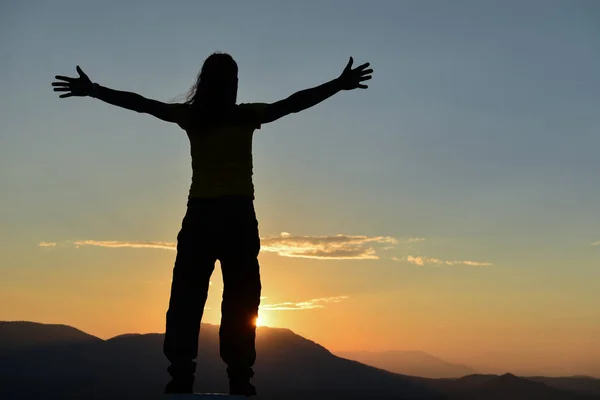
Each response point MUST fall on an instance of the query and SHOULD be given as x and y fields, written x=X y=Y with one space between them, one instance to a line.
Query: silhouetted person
x=220 y=221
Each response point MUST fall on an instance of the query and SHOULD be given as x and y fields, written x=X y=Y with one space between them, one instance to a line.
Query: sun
x=260 y=320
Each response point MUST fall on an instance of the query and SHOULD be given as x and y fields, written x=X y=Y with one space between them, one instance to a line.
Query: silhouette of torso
x=221 y=152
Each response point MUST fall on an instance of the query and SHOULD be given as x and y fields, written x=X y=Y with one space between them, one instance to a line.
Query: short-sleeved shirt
x=222 y=154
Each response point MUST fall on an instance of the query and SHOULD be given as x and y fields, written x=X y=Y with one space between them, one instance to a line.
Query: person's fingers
x=367 y=71
x=63 y=96
x=80 y=72
x=349 y=65
x=364 y=78
x=60 y=83
x=361 y=67
x=62 y=89
x=64 y=78
x=363 y=86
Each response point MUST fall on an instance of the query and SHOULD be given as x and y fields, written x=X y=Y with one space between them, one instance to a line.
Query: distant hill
x=416 y=363
x=57 y=362
x=579 y=384
x=504 y=387
x=133 y=367
x=25 y=333
x=533 y=363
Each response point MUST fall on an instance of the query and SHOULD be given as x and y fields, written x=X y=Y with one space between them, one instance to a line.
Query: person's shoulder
x=252 y=106
x=252 y=113
x=182 y=114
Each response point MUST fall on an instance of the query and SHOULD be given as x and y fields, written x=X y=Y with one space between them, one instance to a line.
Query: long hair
x=216 y=83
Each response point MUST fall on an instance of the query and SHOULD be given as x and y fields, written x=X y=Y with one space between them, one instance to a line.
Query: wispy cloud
x=303 y=305
x=422 y=261
x=326 y=247
x=287 y=245
x=163 y=282
x=596 y=243
x=118 y=244
x=115 y=244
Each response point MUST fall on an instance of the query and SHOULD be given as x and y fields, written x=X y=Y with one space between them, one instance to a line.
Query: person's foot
x=180 y=385
x=241 y=387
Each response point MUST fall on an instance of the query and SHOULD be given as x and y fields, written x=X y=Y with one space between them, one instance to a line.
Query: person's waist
x=228 y=205
x=224 y=198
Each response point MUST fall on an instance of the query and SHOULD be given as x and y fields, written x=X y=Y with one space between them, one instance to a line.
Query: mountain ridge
x=410 y=362
x=289 y=366
x=133 y=366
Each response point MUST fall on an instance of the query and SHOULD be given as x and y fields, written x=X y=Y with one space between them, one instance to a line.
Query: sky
x=452 y=207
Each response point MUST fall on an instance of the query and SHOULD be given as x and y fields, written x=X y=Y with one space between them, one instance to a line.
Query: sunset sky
x=453 y=207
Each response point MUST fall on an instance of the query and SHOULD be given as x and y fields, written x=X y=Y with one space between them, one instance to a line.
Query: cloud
x=422 y=261
x=596 y=243
x=164 y=282
x=471 y=263
x=303 y=305
x=326 y=247
x=117 y=244
x=340 y=247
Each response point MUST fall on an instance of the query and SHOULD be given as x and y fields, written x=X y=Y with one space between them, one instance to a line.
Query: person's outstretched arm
x=83 y=86
x=348 y=80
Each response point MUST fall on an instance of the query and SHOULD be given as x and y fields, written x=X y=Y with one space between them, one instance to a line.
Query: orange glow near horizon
x=468 y=319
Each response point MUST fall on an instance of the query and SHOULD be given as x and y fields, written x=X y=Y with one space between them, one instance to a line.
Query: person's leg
x=241 y=296
x=193 y=267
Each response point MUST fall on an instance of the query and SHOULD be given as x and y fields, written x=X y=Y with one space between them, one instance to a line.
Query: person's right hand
x=81 y=86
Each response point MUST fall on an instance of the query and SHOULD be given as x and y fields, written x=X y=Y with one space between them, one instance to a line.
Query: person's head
x=217 y=82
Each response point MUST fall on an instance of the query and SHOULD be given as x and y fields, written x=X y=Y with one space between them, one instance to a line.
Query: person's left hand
x=352 y=78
